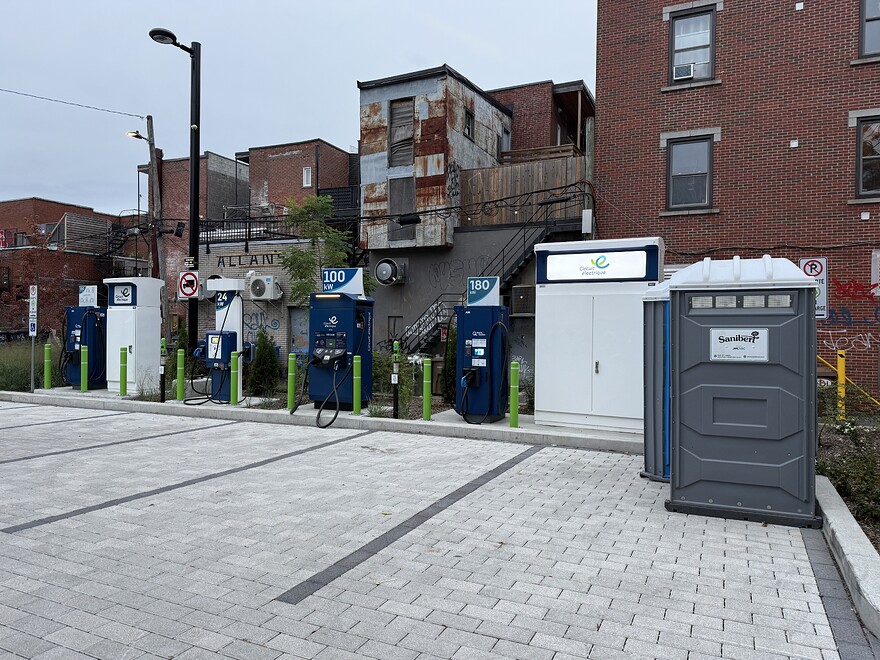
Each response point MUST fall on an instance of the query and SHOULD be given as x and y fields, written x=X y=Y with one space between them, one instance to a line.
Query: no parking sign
x=817 y=268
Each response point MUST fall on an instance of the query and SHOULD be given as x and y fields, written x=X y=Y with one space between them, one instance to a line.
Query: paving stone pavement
x=552 y=553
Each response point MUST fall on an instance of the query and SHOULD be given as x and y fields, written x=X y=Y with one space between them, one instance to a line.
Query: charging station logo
x=600 y=262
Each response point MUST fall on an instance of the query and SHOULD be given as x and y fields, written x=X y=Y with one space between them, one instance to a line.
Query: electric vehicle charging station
x=134 y=322
x=588 y=331
x=482 y=353
x=340 y=327
x=85 y=326
x=227 y=338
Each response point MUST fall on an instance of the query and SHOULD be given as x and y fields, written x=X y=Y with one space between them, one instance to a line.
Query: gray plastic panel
x=653 y=337
x=744 y=427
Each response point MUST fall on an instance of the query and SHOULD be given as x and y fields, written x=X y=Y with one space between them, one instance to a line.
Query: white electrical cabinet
x=588 y=331
x=134 y=322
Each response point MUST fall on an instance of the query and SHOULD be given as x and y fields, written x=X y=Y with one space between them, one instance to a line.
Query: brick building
x=452 y=178
x=748 y=128
x=58 y=246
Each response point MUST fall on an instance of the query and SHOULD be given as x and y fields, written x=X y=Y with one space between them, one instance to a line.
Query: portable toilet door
x=744 y=391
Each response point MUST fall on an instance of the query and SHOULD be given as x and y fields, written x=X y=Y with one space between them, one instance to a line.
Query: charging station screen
x=597 y=266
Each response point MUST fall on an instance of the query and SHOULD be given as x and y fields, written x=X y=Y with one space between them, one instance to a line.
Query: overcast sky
x=273 y=71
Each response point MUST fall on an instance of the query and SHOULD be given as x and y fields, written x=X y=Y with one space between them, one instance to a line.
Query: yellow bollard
x=841 y=385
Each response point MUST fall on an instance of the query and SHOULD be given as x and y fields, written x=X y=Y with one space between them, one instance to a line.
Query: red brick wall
x=784 y=75
x=23 y=214
x=276 y=172
x=533 y=122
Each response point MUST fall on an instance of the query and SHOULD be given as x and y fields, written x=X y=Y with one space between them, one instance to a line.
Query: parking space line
x=113 y=444
x=22 y=407
x=309 y=586
x=183 y=484
x=62 y=421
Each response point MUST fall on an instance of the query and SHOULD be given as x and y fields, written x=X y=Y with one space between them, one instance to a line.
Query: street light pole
x=163 y=36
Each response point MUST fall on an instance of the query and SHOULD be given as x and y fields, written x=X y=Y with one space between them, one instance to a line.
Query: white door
x=120 y=332
x=617 y=368
x=562 y=366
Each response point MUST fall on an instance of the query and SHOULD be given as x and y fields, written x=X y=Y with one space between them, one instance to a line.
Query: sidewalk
x=134 y=534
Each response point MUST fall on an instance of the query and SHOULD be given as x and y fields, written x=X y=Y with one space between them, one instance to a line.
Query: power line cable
x=78 y=105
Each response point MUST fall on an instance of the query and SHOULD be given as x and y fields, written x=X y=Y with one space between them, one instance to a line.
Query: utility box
x=588 y=331
x=657 y=384
x=744 y=428
x=134 y=322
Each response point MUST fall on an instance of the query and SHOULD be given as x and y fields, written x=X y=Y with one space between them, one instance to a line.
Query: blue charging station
x=340 y=327
x=216 y=352
x=481 y=363
x=85 y=326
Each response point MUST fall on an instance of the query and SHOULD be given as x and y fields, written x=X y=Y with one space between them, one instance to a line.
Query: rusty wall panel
x=374 y=129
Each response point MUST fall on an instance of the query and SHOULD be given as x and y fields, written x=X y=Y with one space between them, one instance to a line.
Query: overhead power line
x=78 y=105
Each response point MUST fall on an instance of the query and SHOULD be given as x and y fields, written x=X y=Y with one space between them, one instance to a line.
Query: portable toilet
x=744 y=427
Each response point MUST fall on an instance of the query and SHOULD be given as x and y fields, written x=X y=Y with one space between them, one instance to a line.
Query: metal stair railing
x=505 y=264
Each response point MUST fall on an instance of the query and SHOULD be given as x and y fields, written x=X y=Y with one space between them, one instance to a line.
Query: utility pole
x=156 y=222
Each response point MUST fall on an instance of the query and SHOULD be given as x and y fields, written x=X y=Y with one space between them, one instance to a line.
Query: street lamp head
x=136 y=135
x=163 y=36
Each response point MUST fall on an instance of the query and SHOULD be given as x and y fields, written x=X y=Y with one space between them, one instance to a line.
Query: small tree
x=449 y=358
x=327 y=247
x=265 y=371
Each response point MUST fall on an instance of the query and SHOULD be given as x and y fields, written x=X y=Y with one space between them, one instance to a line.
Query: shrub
x=856 y=476
x=448 y=378
x=265 y=371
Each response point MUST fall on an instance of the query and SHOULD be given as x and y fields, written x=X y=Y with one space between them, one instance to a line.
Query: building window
x=689 y=173
x=307 y=177
x=869 y=157
x=692 y=47
x=870 y=27
x=400 y=132
x=22 y=239
x=401 y=201
x=469 y=124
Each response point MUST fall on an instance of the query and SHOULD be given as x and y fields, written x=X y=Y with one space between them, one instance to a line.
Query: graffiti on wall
x=854 y=290
x=253 y=321
x=444 y=275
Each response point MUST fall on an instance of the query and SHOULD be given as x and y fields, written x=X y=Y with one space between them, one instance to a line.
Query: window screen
x=400 y=133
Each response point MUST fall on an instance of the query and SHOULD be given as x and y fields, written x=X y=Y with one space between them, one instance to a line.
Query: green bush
x=448 y=377
x=383 y=365
x=265 y=371
x=856 y=477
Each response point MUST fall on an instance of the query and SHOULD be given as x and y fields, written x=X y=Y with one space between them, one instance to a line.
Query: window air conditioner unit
x=264 y=287
x=522 y=300
x=683 y=71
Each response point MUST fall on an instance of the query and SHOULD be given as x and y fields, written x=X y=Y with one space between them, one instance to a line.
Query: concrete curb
x=529 y=434
x=857 y=558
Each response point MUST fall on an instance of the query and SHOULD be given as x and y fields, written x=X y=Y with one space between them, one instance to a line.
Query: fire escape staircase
x=507 y=265
x=117 y=236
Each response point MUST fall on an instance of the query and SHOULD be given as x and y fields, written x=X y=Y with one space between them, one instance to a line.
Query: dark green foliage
x=383 y=365
x=265 y=370
x=856 y=476
x=448 y=378
x=15 y=366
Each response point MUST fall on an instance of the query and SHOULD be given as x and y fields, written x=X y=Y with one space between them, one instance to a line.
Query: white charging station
x=229 y=313
x=134 y=321
x=588 y=331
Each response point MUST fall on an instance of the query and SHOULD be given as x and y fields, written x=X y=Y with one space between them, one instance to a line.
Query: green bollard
x=291 y=380
x=47 y=366
x=123 y=371
x=181 y=384
x=356 y=386
x=233 y=380
x=426 y=389
x=514 y=395
x=83 y=368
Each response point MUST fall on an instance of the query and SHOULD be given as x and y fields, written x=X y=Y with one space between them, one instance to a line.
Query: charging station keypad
x=330 y=346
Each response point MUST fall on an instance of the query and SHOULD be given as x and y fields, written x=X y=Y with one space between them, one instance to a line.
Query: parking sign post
x=32 y=327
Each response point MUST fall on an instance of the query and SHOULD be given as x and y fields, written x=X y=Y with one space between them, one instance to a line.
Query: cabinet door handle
x=597 y=366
